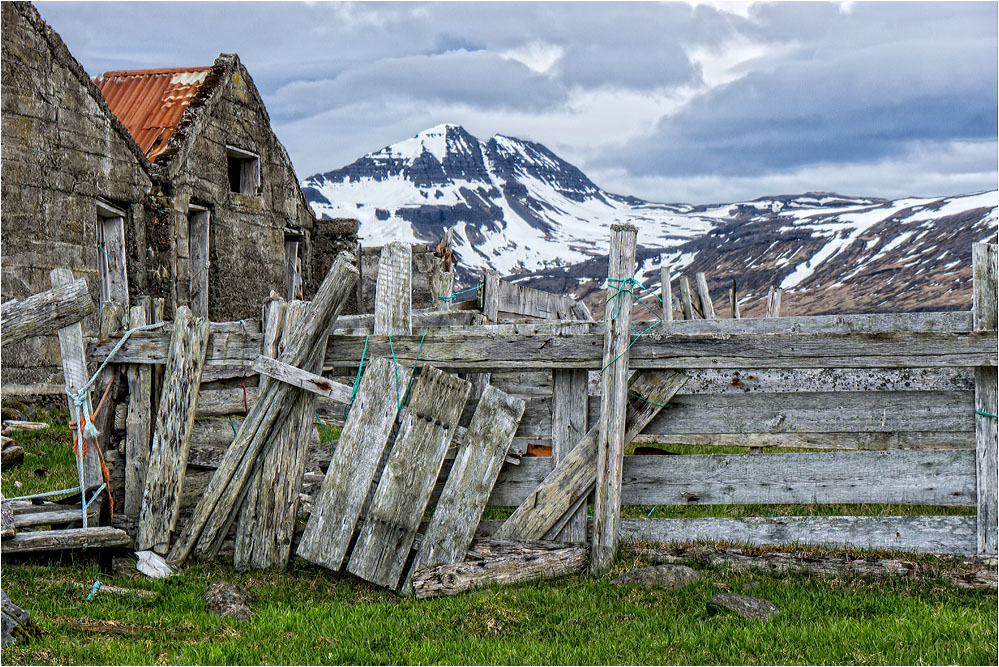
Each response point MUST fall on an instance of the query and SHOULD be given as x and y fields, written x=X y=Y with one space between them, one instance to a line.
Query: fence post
x=984 y=259
x=707 y=307
x=394 y=290
x=613 y=398
x=773 y=301
x=667 y=291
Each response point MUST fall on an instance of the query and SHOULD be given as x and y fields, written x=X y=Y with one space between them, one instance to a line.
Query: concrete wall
x=61 y=150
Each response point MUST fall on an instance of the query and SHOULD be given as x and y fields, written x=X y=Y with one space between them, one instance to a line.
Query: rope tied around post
x=459 y=293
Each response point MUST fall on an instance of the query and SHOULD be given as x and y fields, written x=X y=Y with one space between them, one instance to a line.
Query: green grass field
x=308 y=615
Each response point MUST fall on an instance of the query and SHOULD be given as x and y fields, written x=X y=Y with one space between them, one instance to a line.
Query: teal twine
x=639 y=396
x=93 y=589
x=357 y=380
x=644 y=331
x=398 y=394
x=101 y=248
x=233 y=425
x=455 y=294
x=412 y=376
x=322 y=427
x=651 y=511
x=986 y=414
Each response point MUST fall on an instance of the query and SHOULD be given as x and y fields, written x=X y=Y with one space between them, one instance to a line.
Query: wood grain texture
x=932 y=534
x=45 y=312
x=95 y=537
x=499 y=562
x=985 y=257
x=773 y=302
x=172 y=434
x=425 y=432
x=302 y=379
x=470 y=480
x=354 y=465
x=570 y=421
x=704 y=296
x=611 y=424
x=517 y=299
x=547 y=502
x=138 y=424
x=75 y=376
x=394 y=290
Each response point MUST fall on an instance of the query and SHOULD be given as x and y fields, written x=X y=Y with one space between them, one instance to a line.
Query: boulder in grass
x=227 y=599
x=15 y=623
x=659 y=576
x=743 y=605
x=11 y=456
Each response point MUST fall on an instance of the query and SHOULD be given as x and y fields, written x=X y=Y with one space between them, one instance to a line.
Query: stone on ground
x=743 y=605
x=16 y=624
x=11 y=456
x=227 y=599
x=659 y=576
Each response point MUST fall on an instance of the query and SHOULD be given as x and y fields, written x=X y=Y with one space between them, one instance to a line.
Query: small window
x=244 y=171
x=113 y=275
x=293 y=267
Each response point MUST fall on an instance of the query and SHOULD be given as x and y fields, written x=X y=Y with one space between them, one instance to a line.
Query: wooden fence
x=887 y=402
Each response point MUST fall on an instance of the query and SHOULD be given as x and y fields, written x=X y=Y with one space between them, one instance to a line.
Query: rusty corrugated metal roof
x=150 y=102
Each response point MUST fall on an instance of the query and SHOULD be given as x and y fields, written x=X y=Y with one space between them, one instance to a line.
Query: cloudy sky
x=680 y=102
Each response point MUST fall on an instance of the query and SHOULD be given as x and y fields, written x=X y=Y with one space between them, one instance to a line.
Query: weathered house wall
x=62 y=149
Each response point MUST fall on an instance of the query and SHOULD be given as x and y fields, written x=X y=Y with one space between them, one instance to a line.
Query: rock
x=659 y=576
x=17 y=625
x=11 y=457
x=227 y=599
x=743 y=605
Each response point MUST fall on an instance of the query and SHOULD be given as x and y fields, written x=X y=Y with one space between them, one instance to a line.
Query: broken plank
x=172 y=435
x=45 y=312
x=542 y=512
x=354 y=465
x=500 y=562
x=471 y=479
x=425 y=432
x=302 y=379
x=394 y=290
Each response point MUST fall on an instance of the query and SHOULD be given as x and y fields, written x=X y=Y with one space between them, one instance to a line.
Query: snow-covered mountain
x=517 y=208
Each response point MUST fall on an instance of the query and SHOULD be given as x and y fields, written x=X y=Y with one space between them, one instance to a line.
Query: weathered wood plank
x=933 y=534
x=216 y=508
x=354 y=465
x=172 y=435
x=611 y=425
x=497 y=562
x=490 y=296
x=95 y=537
x=53 y=517
x=470 y=480
x=541 y=512
x=985 y=258
x=835 y=441
x=666 y=290
x=773 y=301
x=686 y=299
x=394 y=290
x=733 y=300
x=521 y=300
x=45 y=312
x=707 y=306
x=425 y=432
x=138 y=423
x=570 y=422
x=297 y=377
x=75 y=376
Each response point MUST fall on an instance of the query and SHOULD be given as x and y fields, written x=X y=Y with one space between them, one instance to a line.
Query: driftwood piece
x=985 y=257
x=394 y=290
x=425 y=432
x=354 y=465
x=541 y=514
x=172 y=435
x=500 y=562
x=221 y=499
x=470 y=480
x=611 y=425
x=138 y=424
x=45 y=312
x=302 y=379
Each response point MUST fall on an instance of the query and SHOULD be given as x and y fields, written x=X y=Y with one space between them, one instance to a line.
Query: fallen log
x=45 y=312
x=500 y=562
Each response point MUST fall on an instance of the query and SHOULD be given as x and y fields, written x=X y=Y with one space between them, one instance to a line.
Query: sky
x=701 y=102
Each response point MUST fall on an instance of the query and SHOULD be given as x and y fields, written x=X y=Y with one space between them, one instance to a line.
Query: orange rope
x=105 y=473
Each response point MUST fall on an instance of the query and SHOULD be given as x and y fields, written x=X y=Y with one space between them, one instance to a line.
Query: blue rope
x=93 y=589
x=986 y=414
x=624 y=285
x=322 y=427
x=651 y=511
x=233 y=425
x=455 y=294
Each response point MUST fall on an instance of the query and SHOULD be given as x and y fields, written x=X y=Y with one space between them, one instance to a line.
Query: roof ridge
x=153 y=71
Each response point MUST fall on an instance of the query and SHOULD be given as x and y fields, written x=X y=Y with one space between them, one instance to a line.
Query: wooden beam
x=707 y=307
x=297 y=377
x=172 y=435
x=986 y=275
x=138 y=423
x=425 y=432
x=95 y=537
x=45 y=312
x=394 y=290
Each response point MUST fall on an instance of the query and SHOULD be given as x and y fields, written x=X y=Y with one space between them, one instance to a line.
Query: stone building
x=74 y=184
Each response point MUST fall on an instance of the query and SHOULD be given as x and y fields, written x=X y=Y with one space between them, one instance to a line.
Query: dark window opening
x=243 y=170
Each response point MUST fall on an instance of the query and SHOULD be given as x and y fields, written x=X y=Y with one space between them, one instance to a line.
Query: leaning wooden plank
x=985 y=257
x=611 y=424
x=470 y=480
x=569 y=483
x=172 y=434
x=425 y=432
x=75 y=376
x=500 y=562
x=45 y=312
x=138 y=424
x=352 y=469
x=686 y=299
x=72 y=538
x=707 y=307
x=932 y=534
x=221 y=499
x=302 y=379
x=394 y=290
